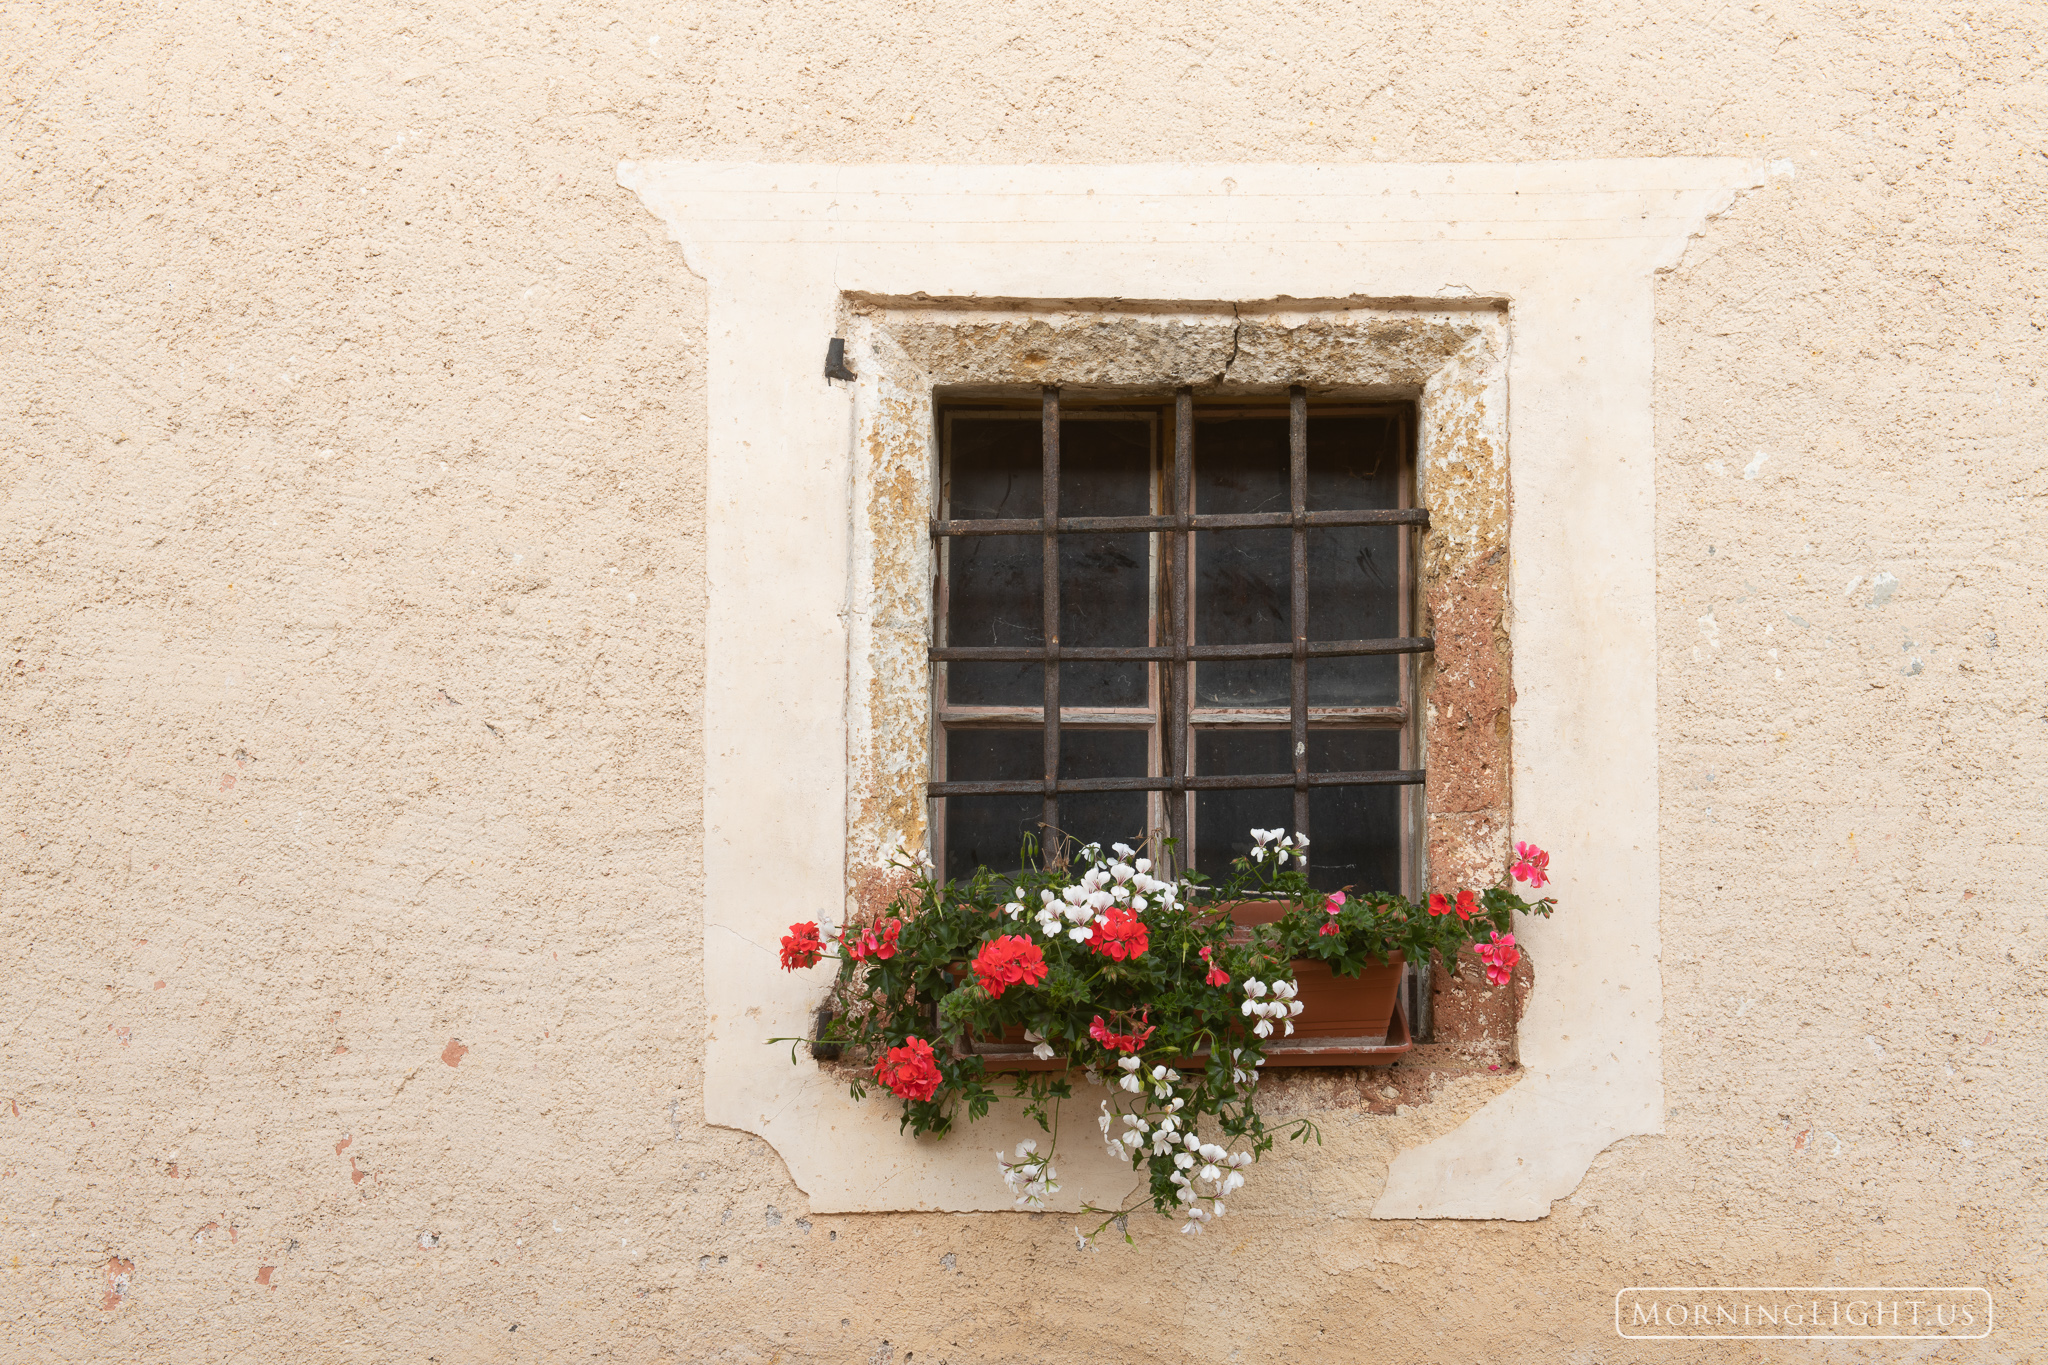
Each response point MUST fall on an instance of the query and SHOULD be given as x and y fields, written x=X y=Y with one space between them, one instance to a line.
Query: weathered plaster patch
x=888 y=616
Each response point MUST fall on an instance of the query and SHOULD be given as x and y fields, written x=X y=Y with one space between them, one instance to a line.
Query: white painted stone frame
x=1571 y=247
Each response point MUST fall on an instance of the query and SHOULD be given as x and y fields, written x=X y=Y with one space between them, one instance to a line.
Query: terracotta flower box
x=1345 y=1020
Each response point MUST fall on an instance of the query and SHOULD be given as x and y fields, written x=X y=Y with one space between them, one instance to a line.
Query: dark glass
x=995 y=591
x=1354 y=832
x=996 y=585
x=1243 y=592
x=1354 y=578
x=1105 y=599
x=988 y=831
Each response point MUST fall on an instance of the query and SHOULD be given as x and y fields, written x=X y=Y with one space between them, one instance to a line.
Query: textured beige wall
x=349 y=464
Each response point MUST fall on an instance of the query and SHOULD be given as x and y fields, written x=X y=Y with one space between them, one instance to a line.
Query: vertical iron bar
x=1297 y=498
x=1049 y=461
x=1181 y=699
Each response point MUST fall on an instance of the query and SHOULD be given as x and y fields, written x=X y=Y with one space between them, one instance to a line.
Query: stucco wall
x=351 y=458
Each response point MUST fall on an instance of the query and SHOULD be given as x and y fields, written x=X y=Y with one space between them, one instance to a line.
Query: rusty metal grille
x=1177 y=653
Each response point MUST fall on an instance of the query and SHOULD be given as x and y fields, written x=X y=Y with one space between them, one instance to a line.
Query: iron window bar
x=1178 y=529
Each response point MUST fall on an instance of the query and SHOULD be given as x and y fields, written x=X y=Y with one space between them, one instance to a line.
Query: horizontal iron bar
x=1202 y=783
x=1214 y=521
x=1316 y=649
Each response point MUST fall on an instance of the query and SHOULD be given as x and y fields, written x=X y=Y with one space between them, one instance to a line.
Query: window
x=1178 y=617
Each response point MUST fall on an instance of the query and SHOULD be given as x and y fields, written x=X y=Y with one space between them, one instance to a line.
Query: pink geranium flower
x=1532 y=865
x=1500 y=956
x=1131 y=1042
x=801 y=946
x=1011 y=960
x=1335 y=903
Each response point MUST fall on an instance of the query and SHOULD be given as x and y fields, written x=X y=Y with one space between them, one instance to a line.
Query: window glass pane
x=1242 y=594
x=989 y=830
x=1105 y=598
x=1354 y=578
x=1103 y=817
x=1224 y=820
x=996 y=586
x=1355 y=832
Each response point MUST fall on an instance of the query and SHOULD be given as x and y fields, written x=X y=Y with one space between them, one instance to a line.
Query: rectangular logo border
x=1989 y=1308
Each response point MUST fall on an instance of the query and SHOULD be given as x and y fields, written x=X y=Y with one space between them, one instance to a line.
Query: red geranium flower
x=1217 y=976
x=801 y=946
x=1532 y=865
x=910 y=1071
x=1120 y=934
x=1439 y=905
x=871 y=946
x=1500 y=957
x=1331 y=928
x=1011 y=960
x=1120 y=1042
x=1468 y=905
